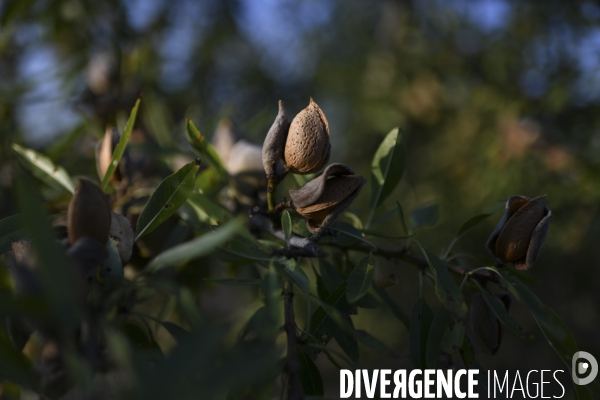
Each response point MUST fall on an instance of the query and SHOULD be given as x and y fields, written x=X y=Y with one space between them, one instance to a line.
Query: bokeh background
x=496 y=98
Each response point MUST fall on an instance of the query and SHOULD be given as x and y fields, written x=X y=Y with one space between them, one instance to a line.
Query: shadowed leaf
x=387 y=168
x=44 y=169
x=167 y=198
x=120 y=149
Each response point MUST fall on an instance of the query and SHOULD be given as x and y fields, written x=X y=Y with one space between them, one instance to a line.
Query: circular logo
x=587 y=369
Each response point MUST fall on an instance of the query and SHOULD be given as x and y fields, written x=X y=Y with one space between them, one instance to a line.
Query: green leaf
x=552 y=326
x=360 y=279
x=235 y=282
x=424 y=216
x=286 y=224
x=310 y=377
x=368 y=301
x=347 y=340
x=120 y=149
x=387 y=168
x=501 y=313
x=272 y=290
x=243 y=248
x=167 y=198
x=330 y=275
x=11 y=230
x=398 y=313
x=478 y=219
x=446 y=288
x=196 y=248
x=44 y=169
x=55 y=271
x=14 y=365
x=467 y=353
x=420 y=326
x=203 y=148
x=296 y=273
x=372 y=342
x=349 y=235
x=403 y=219
x=321 y=325
x=208 y=211
x=446 y=335
x=474 y=222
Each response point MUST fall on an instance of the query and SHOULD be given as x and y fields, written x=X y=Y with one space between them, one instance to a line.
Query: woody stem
x=271 y=188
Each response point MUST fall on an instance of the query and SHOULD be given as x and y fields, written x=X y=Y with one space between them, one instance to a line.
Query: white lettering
x=400 y=382
x=472 y=383
x=346 y=376
x=412 y=384
x=370 y=384
x=384 y=384
x=457 y=391
x=444 y=383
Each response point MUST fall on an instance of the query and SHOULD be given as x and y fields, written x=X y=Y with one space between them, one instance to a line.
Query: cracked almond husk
x=520 y=234
x=325 y=197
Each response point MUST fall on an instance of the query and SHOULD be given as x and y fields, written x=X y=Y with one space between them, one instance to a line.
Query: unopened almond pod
x=307 y=147
x=484 y=325
x=274 y=144
x=519 y=235
x=89 y=213
x=122 y=235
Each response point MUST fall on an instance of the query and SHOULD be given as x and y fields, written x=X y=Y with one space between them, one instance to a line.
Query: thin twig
x=292 y=364
x=419 y=261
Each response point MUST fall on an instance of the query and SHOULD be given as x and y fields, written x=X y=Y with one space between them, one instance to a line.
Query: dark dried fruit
x=89 y=213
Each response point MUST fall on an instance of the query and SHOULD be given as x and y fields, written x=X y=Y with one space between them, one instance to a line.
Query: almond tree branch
x=292 y=364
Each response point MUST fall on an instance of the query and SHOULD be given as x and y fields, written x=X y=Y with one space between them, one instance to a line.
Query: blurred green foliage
x=495 y=98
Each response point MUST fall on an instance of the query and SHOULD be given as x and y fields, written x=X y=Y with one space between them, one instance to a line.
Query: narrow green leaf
x=55 y=271
x=14 y=365
x=44 y=169
x=387 y=168
x=319 y=319
x=501 y=313
x=272 y=289
x=347 y=340
x=167 y=198
x=446 y=288
x=552 y=326
x=203 y=148
x=478 y=219
x=371 y=232
x=398 y=313
x=360 y=279
x=296 y=273
x=349 y=235
x=420 y=326
x=473 y=223
x=208 y=211
x=403 y=219
x=235 y=282
x=120 y=149
x=467 y=352
x=310 y=377
x=372 y=342
x=368 y=301
x=286 y=224
x=446 y=335
x=424 y=216
x=332 y=279
x=196 y=248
